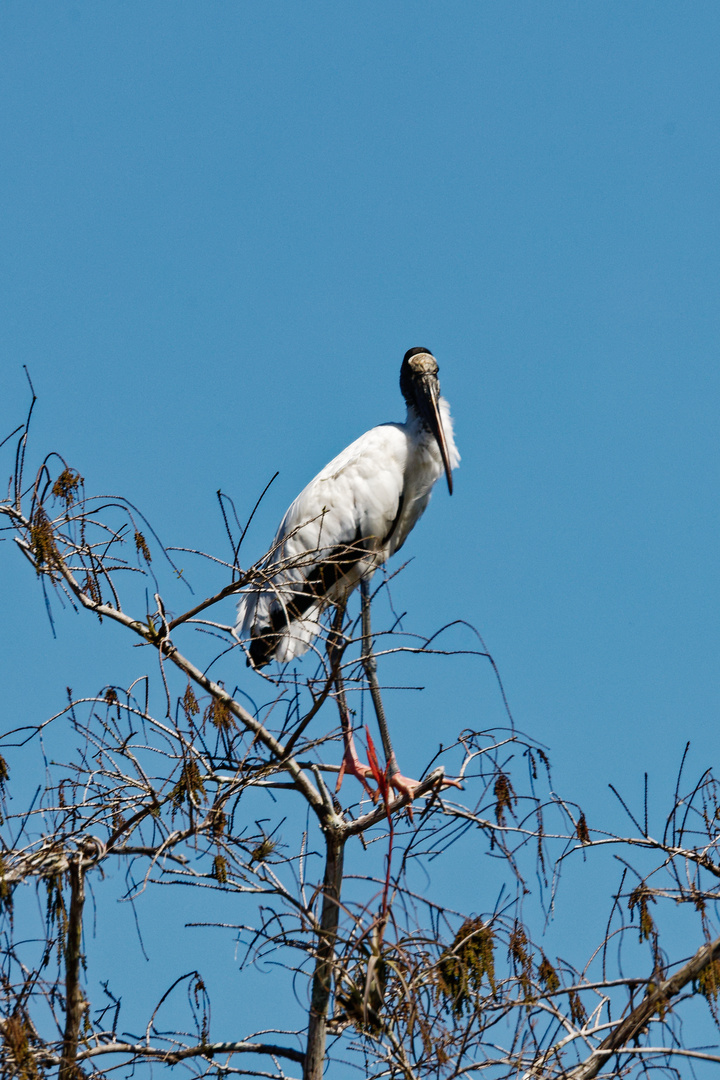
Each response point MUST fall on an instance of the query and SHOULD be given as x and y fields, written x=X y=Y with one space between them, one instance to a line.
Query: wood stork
x=355 y=514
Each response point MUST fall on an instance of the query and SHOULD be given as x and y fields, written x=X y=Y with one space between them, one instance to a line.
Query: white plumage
x=355 y=514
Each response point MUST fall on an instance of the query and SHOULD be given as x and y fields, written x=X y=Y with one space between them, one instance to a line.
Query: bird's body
x=355 y=514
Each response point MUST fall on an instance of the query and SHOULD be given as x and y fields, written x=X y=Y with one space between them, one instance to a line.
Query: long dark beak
x=428 y=397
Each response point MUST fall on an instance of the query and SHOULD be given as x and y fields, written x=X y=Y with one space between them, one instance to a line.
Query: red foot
x=404 y=786
x=447 y=782
x=353 y=766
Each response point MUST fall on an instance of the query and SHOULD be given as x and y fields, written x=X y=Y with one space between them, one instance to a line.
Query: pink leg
x=402 y=784
x=351 y=763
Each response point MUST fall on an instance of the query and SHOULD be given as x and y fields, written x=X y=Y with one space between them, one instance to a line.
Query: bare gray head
x=421 y=389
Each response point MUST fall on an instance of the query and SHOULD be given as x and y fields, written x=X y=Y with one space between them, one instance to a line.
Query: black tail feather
x=339 y=562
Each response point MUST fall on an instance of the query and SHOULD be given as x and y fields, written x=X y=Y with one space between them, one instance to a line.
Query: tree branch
x=74 y=1001
x=325 y=956
x=635 y=1021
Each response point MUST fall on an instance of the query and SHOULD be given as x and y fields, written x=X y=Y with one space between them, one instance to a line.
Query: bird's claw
x=404 y=786
x=353 y=766
x=389 y=778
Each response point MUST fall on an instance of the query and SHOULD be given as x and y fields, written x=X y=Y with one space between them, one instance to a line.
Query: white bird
x=355 y=514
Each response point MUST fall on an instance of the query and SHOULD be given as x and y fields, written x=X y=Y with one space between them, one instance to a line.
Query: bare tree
x=163 y=781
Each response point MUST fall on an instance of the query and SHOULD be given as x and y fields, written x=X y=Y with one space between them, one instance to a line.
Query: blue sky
x=223 y=226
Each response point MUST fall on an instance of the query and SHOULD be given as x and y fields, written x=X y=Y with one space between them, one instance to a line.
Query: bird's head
x=421 y=389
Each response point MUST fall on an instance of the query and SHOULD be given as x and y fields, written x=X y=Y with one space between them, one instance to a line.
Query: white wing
x=334 y=533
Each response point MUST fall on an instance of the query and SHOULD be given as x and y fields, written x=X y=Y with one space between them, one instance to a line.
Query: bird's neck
x=416 y=423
